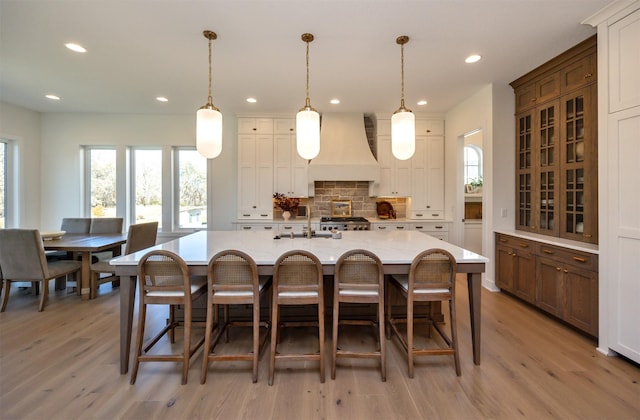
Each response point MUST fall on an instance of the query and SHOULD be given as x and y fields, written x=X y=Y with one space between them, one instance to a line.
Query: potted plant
x=288 y=205
x=475 y=185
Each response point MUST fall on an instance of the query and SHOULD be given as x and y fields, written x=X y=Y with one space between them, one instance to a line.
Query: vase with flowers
x=288 y=205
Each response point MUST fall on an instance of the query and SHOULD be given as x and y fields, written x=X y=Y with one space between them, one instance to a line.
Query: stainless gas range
x=344 y=223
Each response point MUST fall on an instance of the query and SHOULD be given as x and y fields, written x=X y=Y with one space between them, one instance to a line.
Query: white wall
x=22 y=127
x=490 y=109
x=51 y=144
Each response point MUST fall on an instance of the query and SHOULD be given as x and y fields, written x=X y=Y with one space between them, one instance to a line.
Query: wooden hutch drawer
x=570 y=256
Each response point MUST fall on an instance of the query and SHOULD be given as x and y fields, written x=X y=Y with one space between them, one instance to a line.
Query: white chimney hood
x=345 y=154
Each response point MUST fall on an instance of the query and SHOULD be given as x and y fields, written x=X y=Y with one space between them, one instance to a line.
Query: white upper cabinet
x=395 y=175
x=255 y=126
x=255 y=169
x=290 y=170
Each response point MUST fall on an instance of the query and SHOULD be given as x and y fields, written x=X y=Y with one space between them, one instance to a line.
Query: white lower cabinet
x=257 y=226
x=438 y=230
x=387 y=226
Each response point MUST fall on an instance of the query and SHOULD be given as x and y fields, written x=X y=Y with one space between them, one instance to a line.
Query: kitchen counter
x=551 y=240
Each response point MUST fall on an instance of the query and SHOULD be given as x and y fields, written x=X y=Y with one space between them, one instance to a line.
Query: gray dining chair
x=22 y=259
x=139 y=237
x=106 y=225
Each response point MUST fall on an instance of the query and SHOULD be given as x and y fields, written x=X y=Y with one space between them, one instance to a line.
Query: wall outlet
x=503 y=212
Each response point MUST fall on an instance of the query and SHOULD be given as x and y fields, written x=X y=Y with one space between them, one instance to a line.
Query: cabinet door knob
x=565 y=271
x=588 y=75
x=558 y=268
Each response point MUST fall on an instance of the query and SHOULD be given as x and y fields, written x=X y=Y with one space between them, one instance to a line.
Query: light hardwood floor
x=63 y=364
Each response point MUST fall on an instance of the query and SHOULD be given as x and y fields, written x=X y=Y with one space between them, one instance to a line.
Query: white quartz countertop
x=395 y=247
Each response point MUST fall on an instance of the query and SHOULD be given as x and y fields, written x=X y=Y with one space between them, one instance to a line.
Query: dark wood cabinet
x=556 y=146
x=515 y=267
x=560 y=281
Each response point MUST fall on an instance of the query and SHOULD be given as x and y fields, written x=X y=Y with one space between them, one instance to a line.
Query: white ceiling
x=141 y=49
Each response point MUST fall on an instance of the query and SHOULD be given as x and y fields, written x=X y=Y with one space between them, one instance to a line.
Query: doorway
x=471 y=189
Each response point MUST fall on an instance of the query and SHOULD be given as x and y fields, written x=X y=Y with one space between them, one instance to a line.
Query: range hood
x=345 y=154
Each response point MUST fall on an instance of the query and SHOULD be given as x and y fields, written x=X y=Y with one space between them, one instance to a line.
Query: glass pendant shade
x=209 y=132
x=403 y=134
x=308 y=133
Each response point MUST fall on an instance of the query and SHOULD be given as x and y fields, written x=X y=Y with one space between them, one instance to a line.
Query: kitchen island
x=396 y=250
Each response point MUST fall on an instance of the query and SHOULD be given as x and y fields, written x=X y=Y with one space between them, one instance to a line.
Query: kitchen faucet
x=308 y=222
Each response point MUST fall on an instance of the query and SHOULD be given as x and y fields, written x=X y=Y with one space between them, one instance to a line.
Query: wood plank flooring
x=63 y=364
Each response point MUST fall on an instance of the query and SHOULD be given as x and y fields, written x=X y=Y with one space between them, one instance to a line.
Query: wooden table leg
x=474 y=282
x=85 y=277
x=127 y=300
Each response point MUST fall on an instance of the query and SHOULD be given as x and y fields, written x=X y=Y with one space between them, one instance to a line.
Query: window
x=472 y=165
x=147 y=185
x=3 y=184
x=101 y=170
x=191 y=182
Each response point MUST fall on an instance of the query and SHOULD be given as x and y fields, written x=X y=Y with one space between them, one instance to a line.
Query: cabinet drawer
x=389 y=226
x=569 y=256
x=514 y=242
x=256 y=226
x=426 y=214
x=430 y=227
x=267 y=215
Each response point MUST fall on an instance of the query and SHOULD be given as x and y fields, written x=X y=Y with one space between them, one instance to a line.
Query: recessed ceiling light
x=472 y=59
x=335 y=101
x=75 y=47
x=422 y=102
x=252 y=100
x=52 y=97
x=162 y=99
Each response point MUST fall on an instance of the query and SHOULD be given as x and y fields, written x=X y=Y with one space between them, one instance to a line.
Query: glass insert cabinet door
x=579 y=161
x=524 y=177
x=547 y=168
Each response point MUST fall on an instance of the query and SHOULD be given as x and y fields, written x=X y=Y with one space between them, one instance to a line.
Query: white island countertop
x=394 y=247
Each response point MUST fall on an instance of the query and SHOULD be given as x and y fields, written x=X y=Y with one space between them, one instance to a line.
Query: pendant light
x=209 y=119
x=308 y=120
x=403 y=122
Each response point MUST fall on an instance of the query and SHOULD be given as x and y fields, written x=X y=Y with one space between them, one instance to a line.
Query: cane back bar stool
x=297 y=280
x=164 y=279
x=359 y=278
x=233 y=280
x=431 y=278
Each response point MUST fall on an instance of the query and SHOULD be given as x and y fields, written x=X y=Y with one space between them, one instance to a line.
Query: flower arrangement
x=285 y=203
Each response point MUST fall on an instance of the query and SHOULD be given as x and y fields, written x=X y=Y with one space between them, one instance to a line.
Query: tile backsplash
x=356 y=191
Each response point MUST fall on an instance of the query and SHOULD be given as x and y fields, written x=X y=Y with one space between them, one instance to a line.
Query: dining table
x=396 y=250
x=84 y=245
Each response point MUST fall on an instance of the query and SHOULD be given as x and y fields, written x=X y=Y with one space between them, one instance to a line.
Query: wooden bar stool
x=297 y=280
x=233 y=280
x=431 y=278
x=359 y=278
x=164 y=279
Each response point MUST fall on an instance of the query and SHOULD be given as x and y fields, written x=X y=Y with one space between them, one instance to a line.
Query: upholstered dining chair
x=22 y=259
x=359 y=278
x=431 y=278
x=164 y=279
x=74 y=225
x=139 y=237
x=297 y=280
x=106 y=225
x=233 y=280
